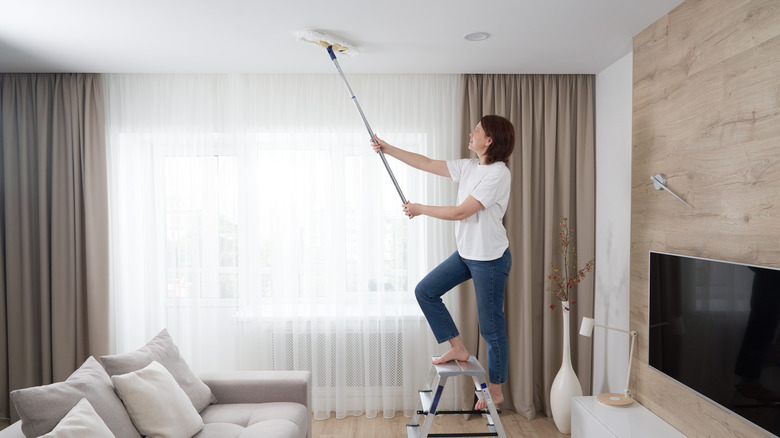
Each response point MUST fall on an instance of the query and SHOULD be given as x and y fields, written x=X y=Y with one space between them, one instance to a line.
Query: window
x=201 y=227
x=248 y=224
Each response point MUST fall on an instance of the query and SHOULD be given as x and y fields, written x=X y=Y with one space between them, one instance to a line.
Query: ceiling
x=259 y=36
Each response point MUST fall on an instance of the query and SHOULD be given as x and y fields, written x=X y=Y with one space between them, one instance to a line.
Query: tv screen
x=714 y=328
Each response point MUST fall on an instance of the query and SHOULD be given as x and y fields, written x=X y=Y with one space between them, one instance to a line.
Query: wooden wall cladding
x=706 y=114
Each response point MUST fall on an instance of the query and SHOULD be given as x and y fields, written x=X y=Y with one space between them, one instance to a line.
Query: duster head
x=339 y=46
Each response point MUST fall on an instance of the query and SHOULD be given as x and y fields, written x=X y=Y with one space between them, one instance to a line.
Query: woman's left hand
x=412 y=210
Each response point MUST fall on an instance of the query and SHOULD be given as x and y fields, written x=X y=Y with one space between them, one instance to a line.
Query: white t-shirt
x=482 y=236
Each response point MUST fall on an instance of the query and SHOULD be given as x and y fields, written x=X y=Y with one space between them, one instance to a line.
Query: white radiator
x=352 y=359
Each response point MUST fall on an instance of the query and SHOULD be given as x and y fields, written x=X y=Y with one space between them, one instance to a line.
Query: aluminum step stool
x=429 y=401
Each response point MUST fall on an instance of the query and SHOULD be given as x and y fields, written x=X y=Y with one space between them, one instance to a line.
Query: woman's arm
x=437 y=167
x=451 y=213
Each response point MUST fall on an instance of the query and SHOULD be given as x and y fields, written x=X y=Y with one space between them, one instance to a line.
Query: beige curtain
x=54 y=228
x=553 y=175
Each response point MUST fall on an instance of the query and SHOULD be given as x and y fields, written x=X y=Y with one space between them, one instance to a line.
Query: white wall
x=613 y=224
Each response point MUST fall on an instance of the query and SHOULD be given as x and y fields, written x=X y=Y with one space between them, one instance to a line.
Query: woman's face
x=478 y=141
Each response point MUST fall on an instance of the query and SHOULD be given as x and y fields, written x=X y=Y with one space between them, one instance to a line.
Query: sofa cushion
x=265 y=429
x=156 y=404
x=81 y=422
x=244 y=420
x=42 y=407
x=163 y=350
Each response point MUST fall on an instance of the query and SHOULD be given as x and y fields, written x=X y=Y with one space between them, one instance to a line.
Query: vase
x=566 y=384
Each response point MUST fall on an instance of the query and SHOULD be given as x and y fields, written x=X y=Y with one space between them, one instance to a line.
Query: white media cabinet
x=589 y=418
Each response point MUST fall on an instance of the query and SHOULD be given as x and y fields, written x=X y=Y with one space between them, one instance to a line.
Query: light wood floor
x=515 y=426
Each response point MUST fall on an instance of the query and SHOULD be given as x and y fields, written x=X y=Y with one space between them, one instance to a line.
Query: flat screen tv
x=714 y=328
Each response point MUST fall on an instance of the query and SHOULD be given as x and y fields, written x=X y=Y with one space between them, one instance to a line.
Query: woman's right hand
x=379 y=144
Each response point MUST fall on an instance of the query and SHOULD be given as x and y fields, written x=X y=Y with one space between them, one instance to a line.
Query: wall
x=706 y=113
x=613 y=220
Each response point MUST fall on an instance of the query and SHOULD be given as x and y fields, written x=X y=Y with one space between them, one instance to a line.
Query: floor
x=515 y=426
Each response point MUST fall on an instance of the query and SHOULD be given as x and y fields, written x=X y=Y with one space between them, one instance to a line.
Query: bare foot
x=460 y=354
x=457 y=351
x=496 y=394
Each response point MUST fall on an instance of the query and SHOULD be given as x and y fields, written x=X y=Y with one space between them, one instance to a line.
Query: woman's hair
x=502 y=132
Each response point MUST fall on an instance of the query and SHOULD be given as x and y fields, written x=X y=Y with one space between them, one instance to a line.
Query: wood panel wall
x=706 y=114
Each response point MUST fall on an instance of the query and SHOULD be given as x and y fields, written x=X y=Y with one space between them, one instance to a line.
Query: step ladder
x=430 y=395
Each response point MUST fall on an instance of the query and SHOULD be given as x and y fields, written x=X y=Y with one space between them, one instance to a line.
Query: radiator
x=351 y=359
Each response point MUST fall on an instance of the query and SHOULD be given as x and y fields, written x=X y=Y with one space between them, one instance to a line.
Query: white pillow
x=81 y=422
x=157 y=405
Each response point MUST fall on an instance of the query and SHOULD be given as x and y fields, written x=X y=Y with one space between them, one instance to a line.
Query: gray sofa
x=164 y=397
x=262 y=404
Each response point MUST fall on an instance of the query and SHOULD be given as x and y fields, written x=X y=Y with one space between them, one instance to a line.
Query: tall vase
x=566 y=385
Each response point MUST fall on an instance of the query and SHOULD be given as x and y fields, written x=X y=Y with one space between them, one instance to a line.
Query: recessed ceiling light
x=476 y=36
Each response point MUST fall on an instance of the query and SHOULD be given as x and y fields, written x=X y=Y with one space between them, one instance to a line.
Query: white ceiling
x=259 y=36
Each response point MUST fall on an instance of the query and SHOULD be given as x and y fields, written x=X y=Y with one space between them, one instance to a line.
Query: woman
x=482 y=245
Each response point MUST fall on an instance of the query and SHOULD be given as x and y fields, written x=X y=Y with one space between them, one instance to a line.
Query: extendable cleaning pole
x=368 y=127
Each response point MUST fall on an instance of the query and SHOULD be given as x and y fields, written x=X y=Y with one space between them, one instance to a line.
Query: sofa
x=153 y=392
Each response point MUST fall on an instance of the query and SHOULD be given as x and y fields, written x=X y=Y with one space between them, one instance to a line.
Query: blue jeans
x=489 y=284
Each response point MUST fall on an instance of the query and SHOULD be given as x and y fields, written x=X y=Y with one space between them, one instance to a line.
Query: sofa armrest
x=260 y=386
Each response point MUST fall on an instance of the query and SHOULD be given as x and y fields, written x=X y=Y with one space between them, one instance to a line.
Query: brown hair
x=502 y=132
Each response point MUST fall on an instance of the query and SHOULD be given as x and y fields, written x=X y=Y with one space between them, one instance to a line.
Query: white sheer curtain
x=250 y=216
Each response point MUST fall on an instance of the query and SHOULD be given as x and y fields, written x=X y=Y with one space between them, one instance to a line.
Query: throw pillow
x=157 y=405
x=163 y=350
x=81 y=422
x=42 y=407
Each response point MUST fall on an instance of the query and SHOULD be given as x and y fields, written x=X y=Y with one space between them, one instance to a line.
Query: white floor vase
x=566 y=384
